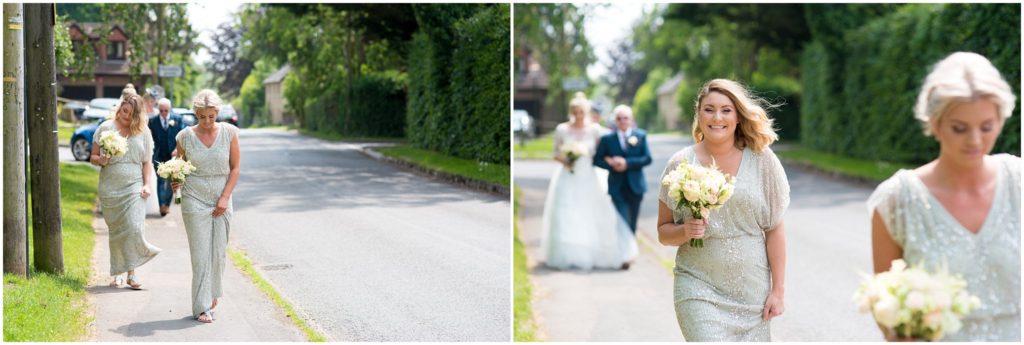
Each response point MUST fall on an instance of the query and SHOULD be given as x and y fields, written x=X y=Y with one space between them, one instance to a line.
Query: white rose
x=712 y=198
x=933 y=319
x=941 y=299
x=915 y=300
x=898 y=265
x=886 y=310
x=691 y=191
x=633 y=140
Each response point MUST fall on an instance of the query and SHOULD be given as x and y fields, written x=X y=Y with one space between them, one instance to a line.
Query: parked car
x=228 y=114
x=99 y=108
x=81 y=140
x=77 y=109
x=522 y=126
x=187 y=115
x=97 y=111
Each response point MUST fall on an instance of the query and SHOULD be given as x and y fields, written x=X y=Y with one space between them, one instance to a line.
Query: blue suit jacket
x=637 y=157
x=163 y=140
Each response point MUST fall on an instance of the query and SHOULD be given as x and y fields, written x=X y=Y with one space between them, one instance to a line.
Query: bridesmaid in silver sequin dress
x=729 y=289
x=961 y=210
x=123 y=189
x=212 y=147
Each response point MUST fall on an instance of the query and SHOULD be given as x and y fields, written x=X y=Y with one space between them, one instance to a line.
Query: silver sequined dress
x=124 y=209
x=720 y=289
x=989 y=260
x=207 y=235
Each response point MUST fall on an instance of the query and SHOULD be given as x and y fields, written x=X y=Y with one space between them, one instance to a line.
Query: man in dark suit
x=624 y=154
x=164 y=127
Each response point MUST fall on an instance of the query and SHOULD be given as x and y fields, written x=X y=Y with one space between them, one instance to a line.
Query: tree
x=160 y=34
x=227 y=62
x=554 y=34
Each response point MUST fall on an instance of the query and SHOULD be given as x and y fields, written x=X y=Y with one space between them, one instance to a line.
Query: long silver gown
x=720 y=289
x=207 y=235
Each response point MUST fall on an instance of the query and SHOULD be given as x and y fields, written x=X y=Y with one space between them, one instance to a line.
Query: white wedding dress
x=581 y=228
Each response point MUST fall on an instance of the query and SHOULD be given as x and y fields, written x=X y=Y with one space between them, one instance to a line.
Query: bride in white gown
x=581 y=228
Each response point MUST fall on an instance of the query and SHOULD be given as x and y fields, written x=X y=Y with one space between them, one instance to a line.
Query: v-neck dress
x=988 y=260
x=207 y=235
x=720 y=289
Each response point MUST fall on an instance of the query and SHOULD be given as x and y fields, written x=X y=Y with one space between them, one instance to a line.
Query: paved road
x=371 y=252
x=828 y=242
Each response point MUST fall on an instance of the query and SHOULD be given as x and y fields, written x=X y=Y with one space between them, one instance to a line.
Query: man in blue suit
x=164 y=127
x=624 y=154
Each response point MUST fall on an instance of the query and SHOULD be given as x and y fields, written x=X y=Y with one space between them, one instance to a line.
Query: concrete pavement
x=162 y=311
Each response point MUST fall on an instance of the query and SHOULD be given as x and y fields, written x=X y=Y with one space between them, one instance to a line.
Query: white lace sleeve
x=560 y=133
x=776 y=188
x=147 y=146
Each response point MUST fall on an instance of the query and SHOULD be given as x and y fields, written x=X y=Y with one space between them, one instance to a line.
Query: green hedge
x=377 y=107
x=458 y=81
x=858 y=97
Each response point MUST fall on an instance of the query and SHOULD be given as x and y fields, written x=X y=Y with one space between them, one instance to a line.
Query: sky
x=605 y=26
x=205 y=17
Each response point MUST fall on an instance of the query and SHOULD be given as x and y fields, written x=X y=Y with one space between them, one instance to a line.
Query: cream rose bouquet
x=175 y=170
x=572 y=151
x=698 y=189
x=113 y=144
x=912 y=303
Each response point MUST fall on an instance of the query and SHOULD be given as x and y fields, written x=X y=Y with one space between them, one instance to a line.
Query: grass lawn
x=48 y=307
x=331 y=136
x=542 y=147
x=525 y=326
x=871 y=170
x=487 y=172
x=243 y=263
x=64 y=131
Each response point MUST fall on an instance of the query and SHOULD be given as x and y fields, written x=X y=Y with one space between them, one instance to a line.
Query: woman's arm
x=147 y=170
x=776 y=246
x=883 y=248
x=672 y=234
x=234 y=164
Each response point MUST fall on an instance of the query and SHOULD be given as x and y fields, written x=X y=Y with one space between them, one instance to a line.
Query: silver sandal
x=133 y=279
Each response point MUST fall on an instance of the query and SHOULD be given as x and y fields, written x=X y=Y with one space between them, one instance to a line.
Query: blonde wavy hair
x=961 y=77
x=206 y=98
x=754 y=128
x=138 y=124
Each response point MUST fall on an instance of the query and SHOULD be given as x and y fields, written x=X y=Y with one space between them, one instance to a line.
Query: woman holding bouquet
x=123 y=188
x=212 y=147
x=581 y=228
x=961 y=211
x=730 y=288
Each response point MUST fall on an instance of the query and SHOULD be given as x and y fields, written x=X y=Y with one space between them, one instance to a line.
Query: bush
x=858 y=98
x=458 y=81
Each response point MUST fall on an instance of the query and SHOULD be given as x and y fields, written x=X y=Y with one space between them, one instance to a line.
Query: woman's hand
x=694 y=228
x=222 y=206
x=175 y=185
x=100 y=160
x=773 y=306
x=145 y=191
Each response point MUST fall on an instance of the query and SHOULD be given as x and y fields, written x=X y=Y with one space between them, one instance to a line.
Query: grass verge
x=331 y=136
x=488 y=172
x=542 y=147
x=64 y=131
x=525 y=327
x=53 y=307
x=243 y=263
x=875 y=171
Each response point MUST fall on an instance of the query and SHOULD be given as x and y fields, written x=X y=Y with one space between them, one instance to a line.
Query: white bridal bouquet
x=911 y=303
x=573 y=150
x=698 y=189
x=113 y=144
x=175 y=170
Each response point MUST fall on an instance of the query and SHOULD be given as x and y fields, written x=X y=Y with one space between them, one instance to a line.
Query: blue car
x=81 y=140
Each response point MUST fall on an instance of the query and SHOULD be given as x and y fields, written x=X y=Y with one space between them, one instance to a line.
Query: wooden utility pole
x=15 y=216
x=41 y=74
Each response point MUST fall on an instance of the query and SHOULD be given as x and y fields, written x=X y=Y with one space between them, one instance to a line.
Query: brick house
x=112 y=61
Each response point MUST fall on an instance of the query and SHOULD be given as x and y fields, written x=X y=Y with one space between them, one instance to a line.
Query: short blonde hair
x=754 y=128
x=206 y=98
x=622 y=108
x=961 y=77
